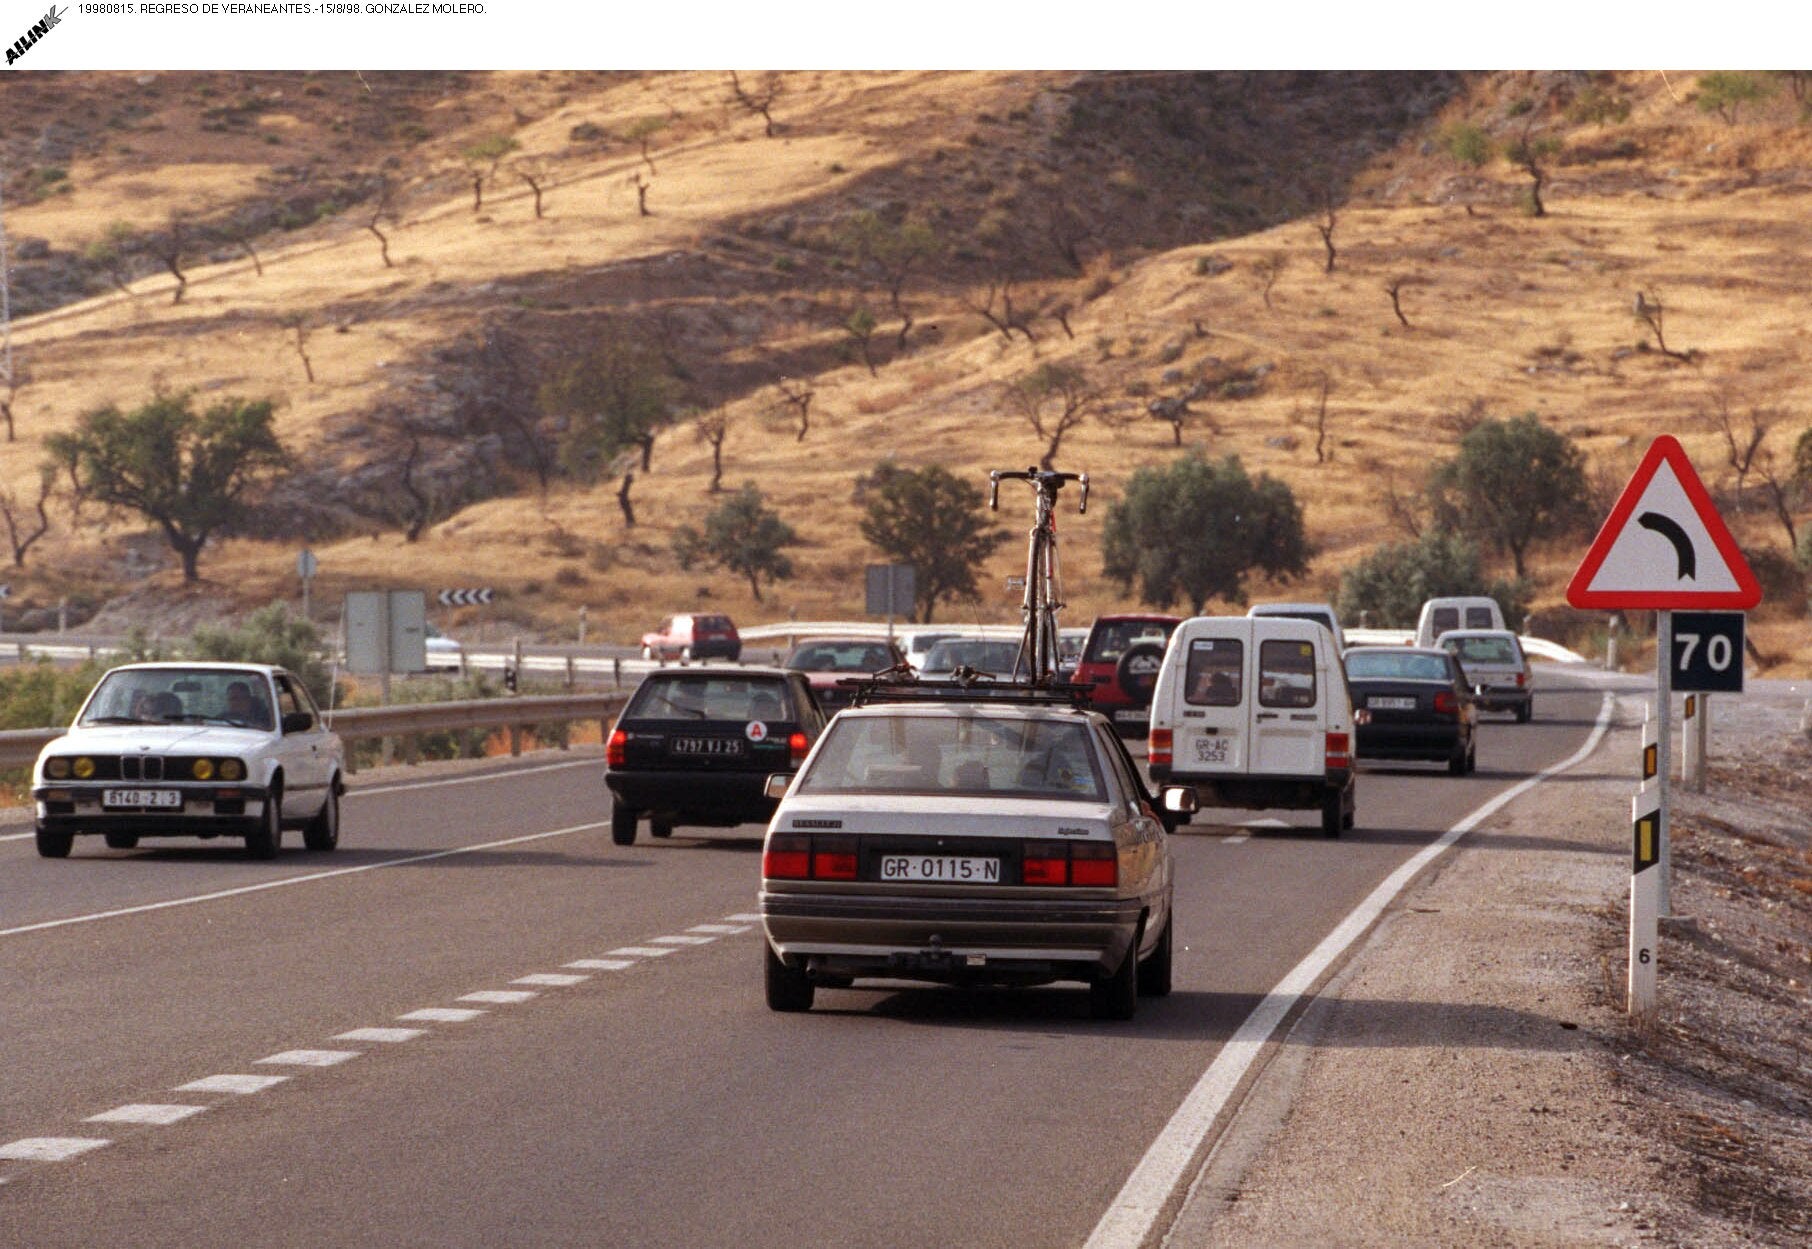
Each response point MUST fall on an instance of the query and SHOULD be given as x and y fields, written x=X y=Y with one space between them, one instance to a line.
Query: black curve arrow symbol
x=1669 y=528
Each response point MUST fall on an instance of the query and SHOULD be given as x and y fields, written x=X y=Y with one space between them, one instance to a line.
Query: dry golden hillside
x=1160 y=230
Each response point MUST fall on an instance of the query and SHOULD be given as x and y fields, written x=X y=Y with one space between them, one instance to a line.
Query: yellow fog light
x=56 y=769
x=203 y=769
x=84 y=768
x=231 y=769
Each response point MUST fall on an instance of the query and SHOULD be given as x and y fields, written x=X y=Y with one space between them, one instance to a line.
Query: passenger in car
x=166 y=706
x=244 y=706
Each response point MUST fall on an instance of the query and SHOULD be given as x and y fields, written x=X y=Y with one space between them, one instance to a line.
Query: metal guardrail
x=20 y=747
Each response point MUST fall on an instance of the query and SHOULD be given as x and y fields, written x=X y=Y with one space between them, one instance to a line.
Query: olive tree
x=1512 y=484
x=742 y=536
x=932 y=520
x=1387 y=588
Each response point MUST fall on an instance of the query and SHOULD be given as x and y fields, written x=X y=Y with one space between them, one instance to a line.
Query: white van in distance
x=1253 y=712
x=1320 y=613
x=1466 y=612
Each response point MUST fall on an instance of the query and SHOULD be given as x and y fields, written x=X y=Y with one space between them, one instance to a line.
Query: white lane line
x=140 y=1112
x=442 y=1014
x=48 y=1148
x=552 y=979
x=722 y=930
x=388 y=1036
x=683 y=940
x=287 y=881
x=1147 y=1191
x=503 y=997
x=230 y=1084
x=734 y=919
x=600 y=964
x=310 y=1058
x=642 y=951
x=1236 y=839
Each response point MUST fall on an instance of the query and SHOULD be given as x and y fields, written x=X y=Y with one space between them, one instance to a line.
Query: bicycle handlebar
x=1047 y=482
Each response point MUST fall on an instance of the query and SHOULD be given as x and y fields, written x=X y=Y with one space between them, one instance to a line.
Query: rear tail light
x=1445 y=704
x=1089 y=864
x=833 y=865
x=798 y=746
x=617 y=751
x=787 y=856
x=1521 y=678
x=1158 y=747
x=1045 y=863
x=1094 y=864
x=1339 y=751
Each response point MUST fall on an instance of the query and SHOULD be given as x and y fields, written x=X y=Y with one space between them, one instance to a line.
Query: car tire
x=54 y=845
x=1154 y=972
x=1472 y=757
x=660 y=828
x=323 y=832
x=1456 y=762
x=1525 y=713
x=1116 y=995
x=268 y=840
x=1136 y=675
x=788 y=988
x=122 y=841
x=622 y=825
x=1333 y=813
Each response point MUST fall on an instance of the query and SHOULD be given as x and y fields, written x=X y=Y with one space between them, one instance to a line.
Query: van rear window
x=1445 y=618
x=1286 y=674
x=1479 y=618
x=1107 y=642
x=1215 y=672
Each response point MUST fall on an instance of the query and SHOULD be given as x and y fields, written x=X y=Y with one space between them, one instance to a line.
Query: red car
x=1121 y=660
x=826 y=661
x=687 y=637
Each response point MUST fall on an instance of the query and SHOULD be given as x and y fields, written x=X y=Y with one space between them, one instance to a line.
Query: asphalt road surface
x=636 y=1091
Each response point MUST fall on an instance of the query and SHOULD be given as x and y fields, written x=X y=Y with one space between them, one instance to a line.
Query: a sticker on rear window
x=1202 y=644
x=755 y=731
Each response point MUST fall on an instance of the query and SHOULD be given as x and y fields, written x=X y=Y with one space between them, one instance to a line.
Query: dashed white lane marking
x=600 y=964
x=722 y=930
x=552 y=979
x=304 y=879
x=683 y=940
x=140 y=1112
x=503 y=997
x=734 y=919
x=230 y=1084
x=441 y=1014
x=1236 y=839
x=49 y=1148
x=310 y=1058
x=643 y=951
x=388 y=1036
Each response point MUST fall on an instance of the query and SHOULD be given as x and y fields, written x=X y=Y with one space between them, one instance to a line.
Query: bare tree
x=860 y=326
x=14 y=511
x=298 y=325
x=378 y=213
x=1325 y=228
x=641 y=185
x=418 y=513
x=12 y=381
x=760 y=99
x=642 y=132
x=1408 y=511
x=1649 y=310
x=1322 y=455
x=1053 y=399
x=168 y=247
x=238 y=230
x=1066 y=232
x=893 y=251
x=1060 y=312
x=798 y=396
x=713 y=427
x=538 y=174
x=1394 y=289
x=481 y=160
x=1269 y=268
x=1532 y=155
x=1007 y=319
x=623 y=499
x=1741 y=446
x=113 y=253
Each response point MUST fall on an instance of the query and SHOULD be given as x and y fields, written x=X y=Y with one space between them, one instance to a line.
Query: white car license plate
x=1138 y=715
x=166 y=798
x=940 y=867
x=1211 y=749
x=1379 y=703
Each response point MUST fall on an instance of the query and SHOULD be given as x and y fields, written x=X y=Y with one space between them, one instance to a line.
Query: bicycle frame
x=1043 y=595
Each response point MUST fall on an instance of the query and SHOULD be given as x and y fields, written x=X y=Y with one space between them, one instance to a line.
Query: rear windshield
x=1479 y=618
x=1286 y=674
x=1484 y=650
x=978 y=755
x=840 y=657
x=982 y=655
x=701 y=697
x=1384 y=666
x=1215 y=672
x=925 y=641
x=1109 y=641
x=714 y=624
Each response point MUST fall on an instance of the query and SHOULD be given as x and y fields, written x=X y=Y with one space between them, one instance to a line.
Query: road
x=654 y=1102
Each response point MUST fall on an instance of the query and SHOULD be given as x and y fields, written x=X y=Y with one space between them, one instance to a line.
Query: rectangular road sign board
x=892 y=589
x=1708 y=651
x=386 y=631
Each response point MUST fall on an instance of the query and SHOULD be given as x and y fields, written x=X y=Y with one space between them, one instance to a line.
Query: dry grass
x=1508 y=312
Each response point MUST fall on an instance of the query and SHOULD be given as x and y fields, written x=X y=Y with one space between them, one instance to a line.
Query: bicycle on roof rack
x=1043 y=594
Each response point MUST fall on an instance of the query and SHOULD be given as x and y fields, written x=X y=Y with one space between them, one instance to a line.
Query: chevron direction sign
x=465 y=598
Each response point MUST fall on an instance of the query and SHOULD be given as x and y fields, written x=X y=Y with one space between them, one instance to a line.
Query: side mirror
x=1181 y=800
x=298 y=722
x=777 y=785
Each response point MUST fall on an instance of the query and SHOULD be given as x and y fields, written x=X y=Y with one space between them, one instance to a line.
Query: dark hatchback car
x=826 y=661
x=696 y=747
x=1412 y=703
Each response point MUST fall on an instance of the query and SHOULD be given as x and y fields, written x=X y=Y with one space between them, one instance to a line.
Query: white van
x=1320 y=613
x=1467 y=612
x=1253 y=712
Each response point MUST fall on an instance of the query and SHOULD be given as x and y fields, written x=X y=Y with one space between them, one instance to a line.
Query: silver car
x=969 y=842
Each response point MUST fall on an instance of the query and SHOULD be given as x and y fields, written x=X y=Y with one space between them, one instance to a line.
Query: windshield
x=840 y=657
x=977 y=755
x=981 y=654
x=180 y=696
x=1109 y=641
x=1499 y=650
x=710 y=698
x=1387 y=666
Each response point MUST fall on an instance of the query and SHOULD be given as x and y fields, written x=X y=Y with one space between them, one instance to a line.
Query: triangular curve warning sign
x=1664 y=547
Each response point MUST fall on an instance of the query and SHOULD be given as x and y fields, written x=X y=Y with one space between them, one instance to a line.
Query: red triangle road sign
x=1664 y=547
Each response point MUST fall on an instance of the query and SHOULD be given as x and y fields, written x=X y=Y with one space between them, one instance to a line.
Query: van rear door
x=1213 y=726
x=1288 y=714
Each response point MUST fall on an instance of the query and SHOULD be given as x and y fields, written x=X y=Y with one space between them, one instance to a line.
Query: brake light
x=835 y=865
x=1339 y=752
x=1158 y=747
x=787 y=857
x=1094 y=864
x=799 y=746
x=1521 y=677
x=1445 y=704
x=1045 y=866
x=1091 y=864
x=617 y=751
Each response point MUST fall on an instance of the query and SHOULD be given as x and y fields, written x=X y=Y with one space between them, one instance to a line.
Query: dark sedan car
x=696 y=747
x=826 y=661
x=1411 y=703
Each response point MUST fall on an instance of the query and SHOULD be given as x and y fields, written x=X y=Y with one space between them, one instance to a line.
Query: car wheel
x=122 y=841
x=1472 y=757
x=1525 y=713
x=1333 y=813
x=268 y=840
x=1154 y=972
x=54 y=845
x=660 y=828
x=622 y=826
x=323 y=832
x=789 y=988
x=1456 y=762
x=1117 y=995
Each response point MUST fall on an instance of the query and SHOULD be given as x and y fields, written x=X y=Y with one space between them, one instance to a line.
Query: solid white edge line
x=1129 y=1219
x=296 y=880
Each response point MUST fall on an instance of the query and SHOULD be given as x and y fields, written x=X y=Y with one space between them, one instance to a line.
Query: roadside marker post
x=1645 y=895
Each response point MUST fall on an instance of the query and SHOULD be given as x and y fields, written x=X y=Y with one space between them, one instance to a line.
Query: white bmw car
x=192 y=750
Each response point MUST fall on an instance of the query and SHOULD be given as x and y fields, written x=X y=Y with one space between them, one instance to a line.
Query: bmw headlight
x=56 y=768
x=231 y=770
x=202 y=769
x=84 y=768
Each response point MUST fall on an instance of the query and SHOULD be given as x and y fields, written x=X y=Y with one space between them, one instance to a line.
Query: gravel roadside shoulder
x=1470 y=1078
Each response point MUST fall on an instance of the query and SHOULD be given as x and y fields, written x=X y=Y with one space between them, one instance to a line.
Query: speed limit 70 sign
x=1708 y=651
